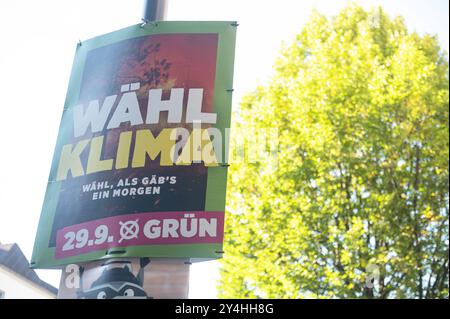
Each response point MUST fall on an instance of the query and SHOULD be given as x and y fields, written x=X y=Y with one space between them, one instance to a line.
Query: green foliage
x=362 y=108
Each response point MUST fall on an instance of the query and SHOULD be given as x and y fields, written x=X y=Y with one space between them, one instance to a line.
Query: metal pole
x=154 y=10
x=169 y=277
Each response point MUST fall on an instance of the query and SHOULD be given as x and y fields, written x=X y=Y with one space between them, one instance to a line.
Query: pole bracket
x=145 y=22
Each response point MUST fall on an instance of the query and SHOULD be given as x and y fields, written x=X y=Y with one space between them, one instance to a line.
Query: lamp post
x=154 y=10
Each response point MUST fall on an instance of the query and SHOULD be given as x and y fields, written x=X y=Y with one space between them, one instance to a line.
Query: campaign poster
x=126 y=278
x=140 y=163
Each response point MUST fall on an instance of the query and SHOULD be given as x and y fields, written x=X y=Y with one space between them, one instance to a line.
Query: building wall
x=17 y=287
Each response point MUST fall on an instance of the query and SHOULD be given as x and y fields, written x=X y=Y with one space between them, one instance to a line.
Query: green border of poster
x=43 y=256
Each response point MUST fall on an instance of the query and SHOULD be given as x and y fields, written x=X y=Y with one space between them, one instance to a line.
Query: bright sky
x=38 y=45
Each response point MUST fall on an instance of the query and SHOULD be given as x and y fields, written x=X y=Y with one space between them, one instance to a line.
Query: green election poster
x=140 y=168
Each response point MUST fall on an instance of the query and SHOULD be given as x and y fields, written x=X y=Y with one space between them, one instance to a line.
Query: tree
x=359 y=203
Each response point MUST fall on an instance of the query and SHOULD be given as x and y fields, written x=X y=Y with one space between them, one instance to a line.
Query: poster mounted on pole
x=139 y=168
